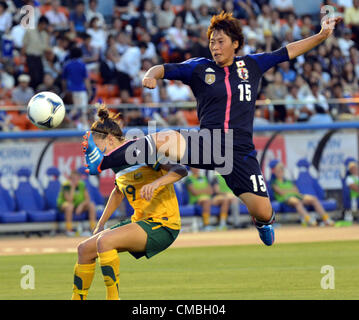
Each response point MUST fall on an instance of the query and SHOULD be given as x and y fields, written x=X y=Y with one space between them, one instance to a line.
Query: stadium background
x=321 y=88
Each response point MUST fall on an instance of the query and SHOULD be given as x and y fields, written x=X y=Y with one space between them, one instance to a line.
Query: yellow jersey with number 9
x=162 y=208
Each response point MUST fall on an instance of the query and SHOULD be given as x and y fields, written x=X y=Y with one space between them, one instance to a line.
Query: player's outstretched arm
x=113 y=203
x=152 y=75
x=300 y=47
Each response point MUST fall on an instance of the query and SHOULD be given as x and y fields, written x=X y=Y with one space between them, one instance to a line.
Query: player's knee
x=103 y=243
x=262 y=211
x=100 y=243
x=82 y=248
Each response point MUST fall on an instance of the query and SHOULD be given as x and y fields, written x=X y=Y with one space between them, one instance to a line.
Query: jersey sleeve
x=268 y=60
x=182 y=71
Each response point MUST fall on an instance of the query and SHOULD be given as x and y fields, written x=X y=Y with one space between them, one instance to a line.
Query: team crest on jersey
x=243 y=73
x=210 y=78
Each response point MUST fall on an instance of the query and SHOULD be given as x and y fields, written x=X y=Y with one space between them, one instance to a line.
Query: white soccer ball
x=46 y=110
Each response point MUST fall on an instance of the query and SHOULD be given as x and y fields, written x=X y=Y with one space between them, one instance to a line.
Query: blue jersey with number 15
x=226 y=96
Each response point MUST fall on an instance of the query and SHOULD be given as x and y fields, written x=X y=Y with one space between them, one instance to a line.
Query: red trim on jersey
x=229 y=99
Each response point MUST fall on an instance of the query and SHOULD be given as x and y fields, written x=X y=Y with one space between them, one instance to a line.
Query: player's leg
x=259 y=208
x=188 y=147
x=130 y=237
x=84 y=269
x=170 y=143
x=246 y=181
x=263 y=216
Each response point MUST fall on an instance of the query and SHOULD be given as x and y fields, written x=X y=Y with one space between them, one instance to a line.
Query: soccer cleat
x=93 y=154
x=266 y=233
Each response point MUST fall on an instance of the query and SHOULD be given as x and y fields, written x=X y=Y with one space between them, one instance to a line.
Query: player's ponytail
x=103 y=113
x=108 y=123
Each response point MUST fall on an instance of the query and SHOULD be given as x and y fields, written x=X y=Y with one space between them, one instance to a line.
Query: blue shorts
x=237 y=165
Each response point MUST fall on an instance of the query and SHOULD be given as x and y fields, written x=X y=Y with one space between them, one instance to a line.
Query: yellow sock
x=325 y=217
x=110 y=267
x=83 y=276
x=206 y=216
x=307 y=218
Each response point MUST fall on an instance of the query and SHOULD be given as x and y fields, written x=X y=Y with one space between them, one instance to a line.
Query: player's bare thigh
x=130 y=237
x=170 y=143
x=258 y=207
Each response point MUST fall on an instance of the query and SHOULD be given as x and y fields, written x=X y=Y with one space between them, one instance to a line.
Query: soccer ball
x=46 y=110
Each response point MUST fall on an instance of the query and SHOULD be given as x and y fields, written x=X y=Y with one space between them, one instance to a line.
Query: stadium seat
x=8 y=206
x=52 y=188
x=29 y=199
x=186 y=209
x=307 y=183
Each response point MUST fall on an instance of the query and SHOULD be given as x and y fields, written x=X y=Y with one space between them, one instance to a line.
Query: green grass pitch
x=284 y=271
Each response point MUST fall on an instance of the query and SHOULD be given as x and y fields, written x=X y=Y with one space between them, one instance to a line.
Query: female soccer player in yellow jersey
x=153 y=227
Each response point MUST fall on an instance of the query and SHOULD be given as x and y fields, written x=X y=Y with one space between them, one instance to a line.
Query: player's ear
x=235 y=45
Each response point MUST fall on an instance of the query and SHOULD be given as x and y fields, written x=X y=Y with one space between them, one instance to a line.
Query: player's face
x=100 y=142
x=108 y=143
x=222 y=48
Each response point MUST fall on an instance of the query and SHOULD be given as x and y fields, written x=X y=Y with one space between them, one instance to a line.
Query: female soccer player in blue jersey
x=226 y=90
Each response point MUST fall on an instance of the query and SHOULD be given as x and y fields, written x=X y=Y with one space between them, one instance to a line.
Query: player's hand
x=149 y=83
x=93 y=155
x=328 y=26
x=148 y=190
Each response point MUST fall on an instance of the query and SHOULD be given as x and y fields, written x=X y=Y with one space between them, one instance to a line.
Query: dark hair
x=79 y=2
x=92 y=21
x=337 y=85
x=230 y=26
x=163 y=4
x=44 y=20
x=142 y=44
x=75 y=53
x=107 y=124
x=175 y=19
x=4 y=5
